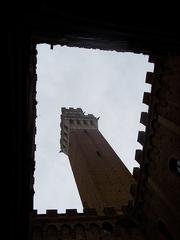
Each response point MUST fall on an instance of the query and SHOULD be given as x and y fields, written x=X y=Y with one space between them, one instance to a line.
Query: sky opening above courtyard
x=107 y=84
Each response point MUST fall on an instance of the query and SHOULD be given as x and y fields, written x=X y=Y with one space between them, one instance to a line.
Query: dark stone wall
x=20 y=160
x=157 y=196
x=42 y=22
x=73 y=225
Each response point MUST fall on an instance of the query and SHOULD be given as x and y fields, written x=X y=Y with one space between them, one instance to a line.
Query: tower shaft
x=101 y=177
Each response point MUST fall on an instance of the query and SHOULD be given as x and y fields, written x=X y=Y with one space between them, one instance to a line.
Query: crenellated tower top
x=74 y=118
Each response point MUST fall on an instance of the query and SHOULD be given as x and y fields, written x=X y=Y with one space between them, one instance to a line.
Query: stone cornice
x=74 y=118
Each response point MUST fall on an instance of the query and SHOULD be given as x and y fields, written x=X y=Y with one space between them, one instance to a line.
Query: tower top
x=74 y=118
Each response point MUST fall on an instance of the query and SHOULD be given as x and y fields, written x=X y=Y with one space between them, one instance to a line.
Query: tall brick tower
x=101 y=177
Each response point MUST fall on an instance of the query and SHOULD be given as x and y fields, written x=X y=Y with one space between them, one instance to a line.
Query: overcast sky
x=109 y=85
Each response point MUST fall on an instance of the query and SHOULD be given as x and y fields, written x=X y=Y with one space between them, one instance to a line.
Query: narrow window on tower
x=71 y=121
x=85 y=122
x=92 y=123
x=98 y=153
